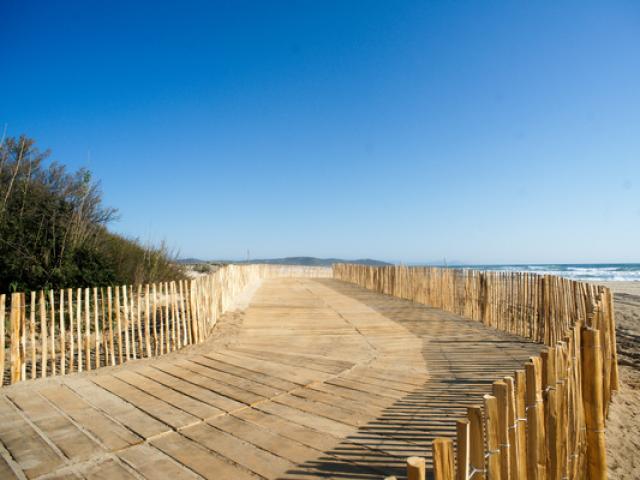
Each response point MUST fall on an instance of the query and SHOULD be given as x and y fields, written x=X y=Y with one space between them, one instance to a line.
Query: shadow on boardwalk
x=463 y=358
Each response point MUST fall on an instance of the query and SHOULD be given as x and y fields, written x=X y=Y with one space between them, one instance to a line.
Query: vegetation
x=53 y=228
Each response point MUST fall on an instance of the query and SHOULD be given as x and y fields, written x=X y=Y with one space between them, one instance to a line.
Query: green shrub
x=53 y=229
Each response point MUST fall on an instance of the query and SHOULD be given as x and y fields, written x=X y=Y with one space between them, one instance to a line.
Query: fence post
x=443 y=459
x=16 y=367
x=593 y=403
x=416 y=468
x=491 y=431
x=536 y=461
x=476 y=442
x=462 y=450
x=500 y=391
x=3 y=300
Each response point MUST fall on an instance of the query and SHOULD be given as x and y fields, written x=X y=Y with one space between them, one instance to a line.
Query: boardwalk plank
x=112 y=435
x=32 y=454
x=154 y=407
x=199 y=459
x=152 y=463
x=124 y=412
x=71 y=441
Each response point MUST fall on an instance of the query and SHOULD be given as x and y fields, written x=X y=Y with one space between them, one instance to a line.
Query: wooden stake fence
x=57 y=334
x=547 y=421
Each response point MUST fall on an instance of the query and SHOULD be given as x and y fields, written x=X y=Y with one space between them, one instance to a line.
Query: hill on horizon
x=305 y=261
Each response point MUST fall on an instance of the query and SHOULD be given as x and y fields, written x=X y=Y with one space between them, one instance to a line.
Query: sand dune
x=623 y=425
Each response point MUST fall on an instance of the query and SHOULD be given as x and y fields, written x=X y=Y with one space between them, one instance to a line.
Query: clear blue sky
x=411 y=131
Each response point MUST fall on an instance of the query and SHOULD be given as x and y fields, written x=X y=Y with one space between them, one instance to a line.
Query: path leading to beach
x=315 y=379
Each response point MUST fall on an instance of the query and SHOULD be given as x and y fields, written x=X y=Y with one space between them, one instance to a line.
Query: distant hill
x=306 y=261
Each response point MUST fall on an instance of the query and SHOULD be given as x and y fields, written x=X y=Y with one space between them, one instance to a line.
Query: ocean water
x=600 y=272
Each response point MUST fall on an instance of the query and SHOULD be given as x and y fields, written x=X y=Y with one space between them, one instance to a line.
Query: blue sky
x=488 y=132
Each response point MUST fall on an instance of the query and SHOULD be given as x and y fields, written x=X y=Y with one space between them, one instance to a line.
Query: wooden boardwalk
x=316 y=379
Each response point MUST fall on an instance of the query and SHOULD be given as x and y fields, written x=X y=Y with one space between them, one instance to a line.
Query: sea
x=595 y=272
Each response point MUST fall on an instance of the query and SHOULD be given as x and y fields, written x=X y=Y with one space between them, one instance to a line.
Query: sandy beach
x=623 y=424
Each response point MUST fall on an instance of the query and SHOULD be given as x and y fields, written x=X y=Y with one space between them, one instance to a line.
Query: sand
x=623 y=424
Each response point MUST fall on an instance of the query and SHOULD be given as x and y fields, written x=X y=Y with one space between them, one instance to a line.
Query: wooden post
x=119 y=326
x=43 y=335
x=96 y=327
x=63 y=344
x=79 y=327
x=16 y=367
x=147 y=321
x=443 y=459
x=3 y=300
x=416 y=468
x=133 y=322
x=23 y=337
x=126 y=322
x=536 y=461
x=476 y=443
x=491 y=422
x=112 y=352
x=462 y=450
x=52 y=326
x=592 y=379
x=32 y=335
x=139 y=322
x=71 y=327
x=104 y=333
x=551 y=412
x=71 y=337
x=514 y=439
x=87 y=329
x=501 y=392
x=165 y=301
x=154 y=319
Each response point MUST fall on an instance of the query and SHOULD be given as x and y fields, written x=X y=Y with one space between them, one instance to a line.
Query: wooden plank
x=245 y=373
x=120 y=410
x=265 y=439
x=32 y=454
x=215 y=396
x=254 y=459
x=108 y=470
x=177 y=399
x=198 y=459
x=192 y=390
x=71 y=441
x=149 y=404
x=109 y=433
x=150 y=462
x=202 y=367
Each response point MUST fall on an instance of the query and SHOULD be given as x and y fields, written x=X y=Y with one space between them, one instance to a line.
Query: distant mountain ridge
x=305 y=261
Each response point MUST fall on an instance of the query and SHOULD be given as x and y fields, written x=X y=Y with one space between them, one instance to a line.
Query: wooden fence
x=547 y=421
x=71 y=330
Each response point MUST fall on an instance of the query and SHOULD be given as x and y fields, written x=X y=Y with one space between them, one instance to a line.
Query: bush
x=53 y=229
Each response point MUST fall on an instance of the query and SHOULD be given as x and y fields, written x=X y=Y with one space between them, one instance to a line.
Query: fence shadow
x=463 y=358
